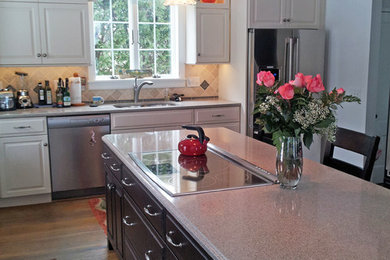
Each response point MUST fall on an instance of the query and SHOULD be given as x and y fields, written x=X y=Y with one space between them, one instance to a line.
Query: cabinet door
x=213 y=35
x=304 y=13
x=110 y=186
x=267 y=13
x=19 y=33
x=64 y=33
x=24 y=166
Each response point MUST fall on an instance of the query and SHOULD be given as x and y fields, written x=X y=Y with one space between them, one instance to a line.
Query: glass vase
x=289 y=162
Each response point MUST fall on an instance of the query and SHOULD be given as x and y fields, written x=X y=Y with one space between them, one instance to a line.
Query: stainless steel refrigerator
x=284 y=52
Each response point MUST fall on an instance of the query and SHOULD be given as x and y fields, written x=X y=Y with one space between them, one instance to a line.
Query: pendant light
x=180 y=2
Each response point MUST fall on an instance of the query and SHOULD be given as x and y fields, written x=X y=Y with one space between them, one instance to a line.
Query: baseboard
x=25 y=200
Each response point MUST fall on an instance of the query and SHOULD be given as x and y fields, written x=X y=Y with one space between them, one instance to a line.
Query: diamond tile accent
x=204 y=84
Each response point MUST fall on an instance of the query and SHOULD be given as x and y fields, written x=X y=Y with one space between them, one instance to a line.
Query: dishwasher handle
x=78 y=121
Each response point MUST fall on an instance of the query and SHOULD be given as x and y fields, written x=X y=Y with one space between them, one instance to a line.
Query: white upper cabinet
x=19 y=33
x=43 y=33
x=64 y=33
x=208 y=35
x=300 y=14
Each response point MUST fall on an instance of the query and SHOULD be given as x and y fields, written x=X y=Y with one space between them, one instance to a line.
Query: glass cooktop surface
x=181 y=175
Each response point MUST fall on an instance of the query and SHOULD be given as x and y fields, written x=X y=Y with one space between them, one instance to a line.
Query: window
x=134 y=34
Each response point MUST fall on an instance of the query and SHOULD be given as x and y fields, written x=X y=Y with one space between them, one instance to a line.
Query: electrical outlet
x=193 y=82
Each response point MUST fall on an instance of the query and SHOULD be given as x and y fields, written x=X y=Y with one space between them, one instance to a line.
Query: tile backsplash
x=207 y=73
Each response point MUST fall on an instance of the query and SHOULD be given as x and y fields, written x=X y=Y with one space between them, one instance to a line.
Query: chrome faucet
x=137 y=88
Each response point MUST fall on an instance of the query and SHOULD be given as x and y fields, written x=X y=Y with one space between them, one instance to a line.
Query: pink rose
x=260 y=77
x=286 y=91
x=315 y=84
x=266 y=78
x=340 y=91
x=299 y=80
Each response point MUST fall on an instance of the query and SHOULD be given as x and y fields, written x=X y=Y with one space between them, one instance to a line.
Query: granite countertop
x=109 y=108
x=331 y=215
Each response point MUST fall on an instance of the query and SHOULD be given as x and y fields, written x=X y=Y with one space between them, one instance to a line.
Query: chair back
x=356 y=142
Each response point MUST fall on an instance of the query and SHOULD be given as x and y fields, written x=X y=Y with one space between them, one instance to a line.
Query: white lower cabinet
x=24 y=166
x=228 y=117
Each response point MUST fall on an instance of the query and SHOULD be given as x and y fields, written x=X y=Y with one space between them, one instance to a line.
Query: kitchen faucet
x=137 y=88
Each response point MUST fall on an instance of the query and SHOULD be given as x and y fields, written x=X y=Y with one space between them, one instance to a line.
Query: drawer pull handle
x=112 y=167
x=147 y=254
x=129 y=224
x=22 y=127
x=111 y=186
x=170 y=241
x=146 y=209
x=105 y=156
x=127 y=184
x=219 y=115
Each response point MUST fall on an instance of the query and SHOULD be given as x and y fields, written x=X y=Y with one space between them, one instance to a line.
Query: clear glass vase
x=289 y=162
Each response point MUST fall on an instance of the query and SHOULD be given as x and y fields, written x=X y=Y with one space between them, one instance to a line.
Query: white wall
x=232 y=76
x=348 y=26
x=353 y=41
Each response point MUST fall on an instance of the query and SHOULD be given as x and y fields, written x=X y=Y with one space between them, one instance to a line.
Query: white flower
x=311 y=115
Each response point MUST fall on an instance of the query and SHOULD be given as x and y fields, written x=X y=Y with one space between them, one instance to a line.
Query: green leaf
x=308 y=139
x=325 y=123
x=277 y=139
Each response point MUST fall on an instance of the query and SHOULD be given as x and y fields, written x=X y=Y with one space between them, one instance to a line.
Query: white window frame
x=178 y=52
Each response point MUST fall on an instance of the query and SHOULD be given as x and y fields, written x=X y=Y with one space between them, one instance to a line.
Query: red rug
x=98 y=207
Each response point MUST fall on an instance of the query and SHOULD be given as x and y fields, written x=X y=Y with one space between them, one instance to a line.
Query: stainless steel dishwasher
x=75 y=149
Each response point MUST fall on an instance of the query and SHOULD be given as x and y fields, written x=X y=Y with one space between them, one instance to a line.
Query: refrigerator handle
x=296 y=69
x=286 y=60
x=251 y=94
x=290 y=59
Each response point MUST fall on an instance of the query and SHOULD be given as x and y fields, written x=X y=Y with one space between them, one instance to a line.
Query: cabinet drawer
x=22 y=126
x=214 y=115
x=149 y=119
x=111 y=162
x=152 y=210
x=180 y=243
x=145 y=243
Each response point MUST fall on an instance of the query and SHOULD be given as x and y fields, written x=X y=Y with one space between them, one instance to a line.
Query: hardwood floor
x=58 y=230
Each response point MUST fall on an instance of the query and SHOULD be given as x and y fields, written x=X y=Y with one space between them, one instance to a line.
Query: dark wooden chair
x=355 y=142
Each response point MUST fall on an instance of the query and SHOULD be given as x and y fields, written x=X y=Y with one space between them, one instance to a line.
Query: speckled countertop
x=109 y=108
x=331 y=215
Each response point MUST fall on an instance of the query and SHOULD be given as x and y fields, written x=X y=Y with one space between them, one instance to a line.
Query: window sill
x=128 y=83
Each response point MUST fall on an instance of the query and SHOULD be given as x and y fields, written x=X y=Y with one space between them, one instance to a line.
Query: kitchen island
x=331 y=215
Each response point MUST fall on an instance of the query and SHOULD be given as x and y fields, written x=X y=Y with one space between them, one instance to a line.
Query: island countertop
x=331 y=215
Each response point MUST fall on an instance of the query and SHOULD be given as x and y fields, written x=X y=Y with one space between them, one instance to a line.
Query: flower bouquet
x=300 y=108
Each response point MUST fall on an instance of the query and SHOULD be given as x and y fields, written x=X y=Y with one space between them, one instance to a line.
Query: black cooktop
x=181 y=175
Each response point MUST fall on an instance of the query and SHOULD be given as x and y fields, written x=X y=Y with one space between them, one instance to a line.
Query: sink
x=145 y=104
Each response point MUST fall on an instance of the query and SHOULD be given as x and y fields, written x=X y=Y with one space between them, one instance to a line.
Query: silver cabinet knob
x=39 y=55
x=45 y=144
x=44 y=55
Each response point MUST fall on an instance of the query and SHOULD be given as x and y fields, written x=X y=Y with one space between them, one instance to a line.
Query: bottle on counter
x=59 y=94
x=66 y=93
x=48 y=97
x=41 y=94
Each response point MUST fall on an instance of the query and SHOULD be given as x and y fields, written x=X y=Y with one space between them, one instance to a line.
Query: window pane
x=146 y=36
x=162 y=12
x=145 y=11
x=163 y=62
x=103 y=63
x=121 y=61
x=102 y=35
x=163 y=35
x=146 y=60
x=121 y=35
x=101 y=10
x=120 y=10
